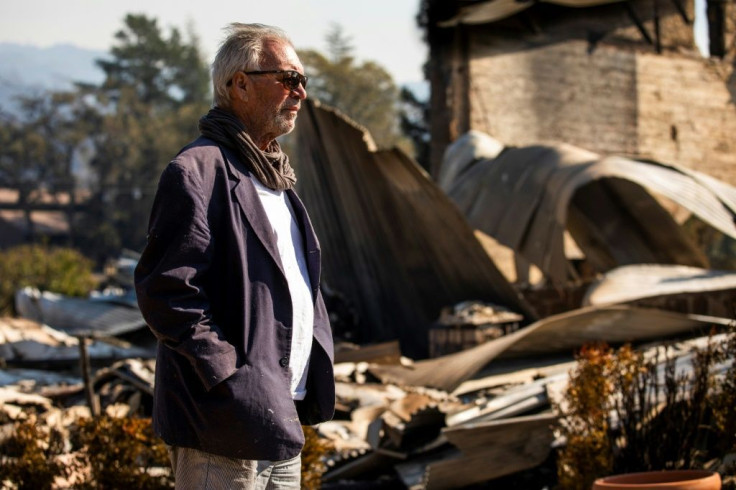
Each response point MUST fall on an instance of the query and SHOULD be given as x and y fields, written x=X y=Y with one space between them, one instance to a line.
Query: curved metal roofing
x=526 y=198
x=484 y=12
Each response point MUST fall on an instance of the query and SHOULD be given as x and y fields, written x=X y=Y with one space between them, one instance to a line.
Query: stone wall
x=673 y=108
x=556 y=92
x=687 y=114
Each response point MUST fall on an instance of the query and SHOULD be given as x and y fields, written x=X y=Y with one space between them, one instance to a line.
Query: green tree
x=61 y=270
x=414 y=115
x=155 y=89
x=19 y=146
x=36 y=153
x=162 y=70
x=363 y=91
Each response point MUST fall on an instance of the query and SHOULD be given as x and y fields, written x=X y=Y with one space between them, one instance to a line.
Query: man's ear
x=240 y=86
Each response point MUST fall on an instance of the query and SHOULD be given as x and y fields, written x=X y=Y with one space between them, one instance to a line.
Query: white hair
x=241 y=50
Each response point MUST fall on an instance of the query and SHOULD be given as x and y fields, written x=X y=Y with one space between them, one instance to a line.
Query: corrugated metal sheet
x=78 y=316
x=559 y=333
x=392 y=241
x=527 y=197
x=24 y=342
x=645 y=281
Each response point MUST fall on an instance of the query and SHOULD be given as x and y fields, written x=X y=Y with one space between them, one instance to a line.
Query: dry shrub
x=111 y=453
x=623 y=412
x=120 y=453
x=313 y=458
x=106 y=453
x=585 y=422
x=28 y=459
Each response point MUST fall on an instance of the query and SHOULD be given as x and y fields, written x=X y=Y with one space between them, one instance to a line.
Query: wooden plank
x=482 y=452
x=380 y=353
x=493 y=449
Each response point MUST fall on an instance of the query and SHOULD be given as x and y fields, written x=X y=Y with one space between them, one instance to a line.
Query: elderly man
x=229 y=282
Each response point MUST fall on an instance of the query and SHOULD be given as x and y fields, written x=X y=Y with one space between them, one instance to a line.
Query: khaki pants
x=198 y=470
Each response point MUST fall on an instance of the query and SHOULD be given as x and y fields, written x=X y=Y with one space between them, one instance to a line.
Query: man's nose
x=300 y=92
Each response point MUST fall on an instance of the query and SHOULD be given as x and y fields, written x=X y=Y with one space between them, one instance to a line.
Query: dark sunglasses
x=290 y=78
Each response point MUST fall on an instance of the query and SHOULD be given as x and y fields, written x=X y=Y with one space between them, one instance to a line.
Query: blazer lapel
x=244 y=192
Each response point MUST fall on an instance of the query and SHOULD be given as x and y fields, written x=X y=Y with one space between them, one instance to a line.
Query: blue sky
x=384 y=31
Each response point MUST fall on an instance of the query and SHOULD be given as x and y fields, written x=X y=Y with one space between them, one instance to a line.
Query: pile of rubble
x=475 y=415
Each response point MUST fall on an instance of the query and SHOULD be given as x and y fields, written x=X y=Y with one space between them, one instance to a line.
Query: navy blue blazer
x=211 y=287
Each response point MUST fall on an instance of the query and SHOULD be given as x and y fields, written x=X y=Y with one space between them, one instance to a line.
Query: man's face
x=268 y=108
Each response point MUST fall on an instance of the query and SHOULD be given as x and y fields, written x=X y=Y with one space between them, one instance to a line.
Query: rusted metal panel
x=393 y=243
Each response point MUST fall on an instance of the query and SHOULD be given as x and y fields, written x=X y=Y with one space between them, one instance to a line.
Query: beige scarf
x=270 y=166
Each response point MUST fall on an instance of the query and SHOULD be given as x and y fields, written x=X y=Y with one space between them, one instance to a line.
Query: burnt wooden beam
x=715 y=12
x=683 y=13
x=530 y=22
x=657 y=31
x=84 y=364
x=637 y=21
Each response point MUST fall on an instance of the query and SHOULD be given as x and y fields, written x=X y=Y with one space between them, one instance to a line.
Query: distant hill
x=27 y=69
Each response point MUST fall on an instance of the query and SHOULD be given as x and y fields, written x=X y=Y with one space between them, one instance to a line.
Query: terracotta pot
x=671 y=480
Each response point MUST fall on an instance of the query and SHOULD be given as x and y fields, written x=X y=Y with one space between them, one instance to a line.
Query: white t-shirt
x=291 y=249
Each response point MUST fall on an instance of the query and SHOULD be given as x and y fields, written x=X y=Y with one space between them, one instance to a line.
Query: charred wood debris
x=453 y=420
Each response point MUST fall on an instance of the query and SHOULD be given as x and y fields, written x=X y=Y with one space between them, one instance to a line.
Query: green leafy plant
x=61 y=270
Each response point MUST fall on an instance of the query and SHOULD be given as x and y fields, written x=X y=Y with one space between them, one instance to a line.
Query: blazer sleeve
x=171 y=273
